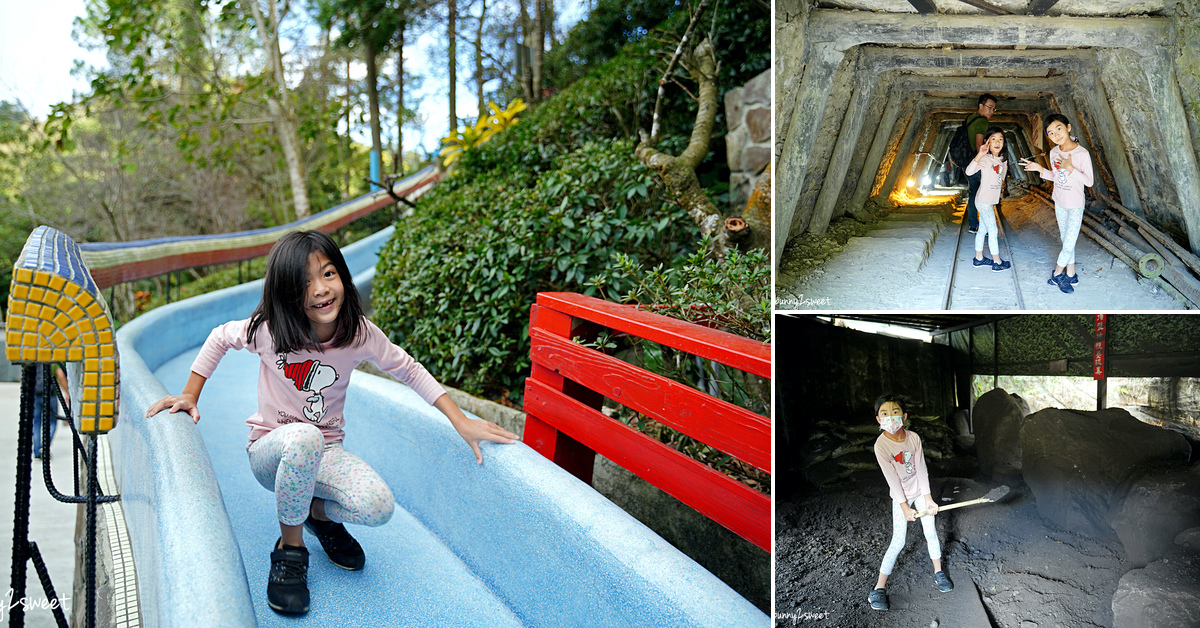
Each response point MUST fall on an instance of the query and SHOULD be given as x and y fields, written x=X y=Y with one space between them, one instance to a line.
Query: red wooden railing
x=569 y=382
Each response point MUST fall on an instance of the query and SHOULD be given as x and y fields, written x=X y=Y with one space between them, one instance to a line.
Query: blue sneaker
x=878 y=599
x=1001 y=265
x=1074 y=279
x=981 y=262
x=942 y=582
x=1063 y=283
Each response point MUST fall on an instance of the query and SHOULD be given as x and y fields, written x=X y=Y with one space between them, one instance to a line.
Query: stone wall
x=748 y=143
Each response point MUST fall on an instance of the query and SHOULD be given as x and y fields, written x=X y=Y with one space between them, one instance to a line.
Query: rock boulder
x=1165 y=593
x=997 y=419
x=1075 y=460
x=1151 y=509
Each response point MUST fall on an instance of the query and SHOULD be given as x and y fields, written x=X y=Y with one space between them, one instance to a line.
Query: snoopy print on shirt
x=905 y=458
x=312 y=377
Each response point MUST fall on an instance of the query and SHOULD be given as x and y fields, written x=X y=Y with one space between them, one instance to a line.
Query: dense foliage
x=455 y=283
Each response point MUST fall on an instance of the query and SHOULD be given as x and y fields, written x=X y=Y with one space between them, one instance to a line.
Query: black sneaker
x=973 y=230
x=878 y=599
x=942 y=582
x=1001 y=265
x=981 y=262
x=287 y=585
x=1074 y=279
x=341 y=548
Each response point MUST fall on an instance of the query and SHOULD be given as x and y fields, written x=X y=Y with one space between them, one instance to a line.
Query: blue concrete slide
x=515 y=542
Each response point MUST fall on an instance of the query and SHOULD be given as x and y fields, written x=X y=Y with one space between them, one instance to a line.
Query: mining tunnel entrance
x=1101 y=525
x=870 y=92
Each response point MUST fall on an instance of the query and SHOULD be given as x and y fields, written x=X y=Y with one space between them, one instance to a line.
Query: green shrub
x=456 y=280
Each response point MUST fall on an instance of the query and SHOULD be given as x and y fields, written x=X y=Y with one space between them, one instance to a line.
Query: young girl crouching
x=309 y=333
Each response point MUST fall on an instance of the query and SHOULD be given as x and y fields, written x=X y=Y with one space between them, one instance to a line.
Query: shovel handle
x=971 y=502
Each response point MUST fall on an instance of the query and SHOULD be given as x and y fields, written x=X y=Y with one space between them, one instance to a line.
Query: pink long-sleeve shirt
x=903 y=466
x=994 y=169
x=310 y=386
x=1068 y=186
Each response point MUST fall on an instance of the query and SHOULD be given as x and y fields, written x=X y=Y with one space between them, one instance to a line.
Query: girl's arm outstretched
x=472 y=430
x=185 y=401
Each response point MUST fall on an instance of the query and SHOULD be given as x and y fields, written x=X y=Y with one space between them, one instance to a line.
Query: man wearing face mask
x=902 y=461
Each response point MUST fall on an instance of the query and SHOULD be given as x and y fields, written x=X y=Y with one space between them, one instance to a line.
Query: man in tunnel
x=977 y=125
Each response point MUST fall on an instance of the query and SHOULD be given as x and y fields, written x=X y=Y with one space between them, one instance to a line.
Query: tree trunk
x=398 y=162
x=539 y=46
x=280 y=107
x=344 y=163
x=479 y=79
x=373 y=96
x=452 y=54
x=679 y=173
x=526 y=72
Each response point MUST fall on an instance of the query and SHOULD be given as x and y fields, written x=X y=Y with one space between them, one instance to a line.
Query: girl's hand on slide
x=475 y=431
x=179 y=403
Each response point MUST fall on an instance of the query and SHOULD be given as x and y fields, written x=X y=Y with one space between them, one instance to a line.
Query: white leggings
x=987 y=227
x=900 y=531
x=1069 y=223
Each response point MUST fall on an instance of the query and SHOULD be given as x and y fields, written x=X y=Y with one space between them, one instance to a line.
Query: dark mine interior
x=1101 y=522
x=869 y=93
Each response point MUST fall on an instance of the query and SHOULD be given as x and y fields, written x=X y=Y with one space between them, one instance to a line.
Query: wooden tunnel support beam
x=833 y=32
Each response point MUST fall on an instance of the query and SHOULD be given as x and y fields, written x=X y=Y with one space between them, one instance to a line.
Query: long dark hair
x=987 y=135
x=284 y=290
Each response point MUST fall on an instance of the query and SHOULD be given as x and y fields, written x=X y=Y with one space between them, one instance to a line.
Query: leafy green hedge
x=456 y=280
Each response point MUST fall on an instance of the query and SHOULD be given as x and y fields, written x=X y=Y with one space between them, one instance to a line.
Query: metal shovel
x=994 y=495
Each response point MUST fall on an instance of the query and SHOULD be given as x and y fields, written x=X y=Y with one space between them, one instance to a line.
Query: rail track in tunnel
x=971 y=287
x=867 y=99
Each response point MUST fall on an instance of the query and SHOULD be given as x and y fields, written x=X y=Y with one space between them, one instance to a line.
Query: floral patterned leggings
x=900 y=530
x=296 y=464
x=1069 y=223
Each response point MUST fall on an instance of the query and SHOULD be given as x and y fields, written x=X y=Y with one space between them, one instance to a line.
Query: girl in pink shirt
x=1071 y=173
x=994 y=167
x=310 y=333
x=902 y=461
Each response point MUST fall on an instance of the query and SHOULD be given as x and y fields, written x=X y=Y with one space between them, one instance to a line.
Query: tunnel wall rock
x=791 y=23
x=1187 y=62
x=1074 y=461
x=1128 y=94
x=826 y=141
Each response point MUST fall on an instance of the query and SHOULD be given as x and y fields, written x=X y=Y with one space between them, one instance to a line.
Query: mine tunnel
x=870 y=93
x=1092 y=422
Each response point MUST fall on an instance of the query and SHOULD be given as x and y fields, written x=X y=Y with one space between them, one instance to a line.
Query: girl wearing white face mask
x=903 y=464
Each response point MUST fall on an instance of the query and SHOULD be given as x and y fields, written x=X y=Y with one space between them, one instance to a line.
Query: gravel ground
x=1010 y=567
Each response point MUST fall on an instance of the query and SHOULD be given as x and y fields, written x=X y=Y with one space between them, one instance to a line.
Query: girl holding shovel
x=903 y=464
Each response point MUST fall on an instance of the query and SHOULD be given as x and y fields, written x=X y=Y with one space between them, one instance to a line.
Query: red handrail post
x=568 y=453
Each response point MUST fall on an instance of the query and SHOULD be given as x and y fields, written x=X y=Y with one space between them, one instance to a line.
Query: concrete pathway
x=51 y=523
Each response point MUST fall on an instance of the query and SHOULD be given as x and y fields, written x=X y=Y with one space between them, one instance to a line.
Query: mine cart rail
x=569 y=382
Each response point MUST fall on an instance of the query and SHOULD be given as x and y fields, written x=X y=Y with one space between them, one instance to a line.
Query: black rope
x=55 y=604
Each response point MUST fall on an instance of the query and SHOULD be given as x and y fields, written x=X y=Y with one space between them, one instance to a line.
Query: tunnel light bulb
x=926 y=181
x=911 y=183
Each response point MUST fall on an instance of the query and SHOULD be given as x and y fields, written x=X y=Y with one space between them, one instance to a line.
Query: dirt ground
x=1010 y=567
